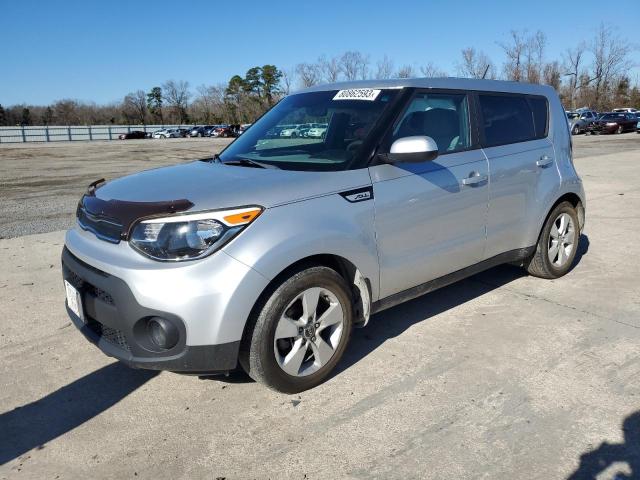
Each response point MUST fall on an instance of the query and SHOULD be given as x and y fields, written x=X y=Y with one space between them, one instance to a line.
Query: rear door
x=430 y=217
x=514 y=135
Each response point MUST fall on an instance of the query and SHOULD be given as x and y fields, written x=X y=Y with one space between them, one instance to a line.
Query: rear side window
x=539 y=107
x=512 y=118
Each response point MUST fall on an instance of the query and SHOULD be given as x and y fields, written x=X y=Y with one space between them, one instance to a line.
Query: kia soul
x=266 y=256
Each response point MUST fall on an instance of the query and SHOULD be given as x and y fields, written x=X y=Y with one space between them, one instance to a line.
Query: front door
x=430 y=217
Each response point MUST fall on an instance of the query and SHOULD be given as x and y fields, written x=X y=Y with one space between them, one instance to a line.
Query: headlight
x=611 y=124
x=191 y=236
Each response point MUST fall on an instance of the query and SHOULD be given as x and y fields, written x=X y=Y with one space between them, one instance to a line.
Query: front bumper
x=595 y=128
x=114 y=321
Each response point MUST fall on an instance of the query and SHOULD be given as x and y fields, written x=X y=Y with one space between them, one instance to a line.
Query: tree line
x=592 y=73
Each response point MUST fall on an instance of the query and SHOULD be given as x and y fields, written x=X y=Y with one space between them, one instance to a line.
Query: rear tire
x=557 y=245
x=620 y=129
x=282 y=329
x=575 y=130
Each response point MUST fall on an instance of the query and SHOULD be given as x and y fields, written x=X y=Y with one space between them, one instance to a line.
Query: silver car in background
x=267 y=255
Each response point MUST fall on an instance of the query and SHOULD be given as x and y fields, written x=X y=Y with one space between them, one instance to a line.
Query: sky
x=101 y=50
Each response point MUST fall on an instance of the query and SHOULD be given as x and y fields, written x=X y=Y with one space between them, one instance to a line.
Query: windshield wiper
x=248 y=163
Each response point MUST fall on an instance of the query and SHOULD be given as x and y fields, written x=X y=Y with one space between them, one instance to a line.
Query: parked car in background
x=614 y=123
x=578 y=121
x=290 y=131
x=274 y=132
x=625 y=110
x=638 y=124
x=318 y=131
x=184 y=132
x=225 y=132
x=266 y=258
x=202 y=131
x=243 y=127
x=132 y=135
x=167 y=133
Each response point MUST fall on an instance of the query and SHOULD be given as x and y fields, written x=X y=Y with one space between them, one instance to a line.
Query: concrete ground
x=501 y=376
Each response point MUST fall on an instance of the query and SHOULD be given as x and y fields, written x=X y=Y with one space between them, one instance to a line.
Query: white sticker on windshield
x=357 y=94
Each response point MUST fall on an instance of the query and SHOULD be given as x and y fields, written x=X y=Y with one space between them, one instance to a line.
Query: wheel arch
x=575 y=200
x=360 y=286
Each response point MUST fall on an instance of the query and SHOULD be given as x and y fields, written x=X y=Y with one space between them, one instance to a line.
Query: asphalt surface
x=501 y=376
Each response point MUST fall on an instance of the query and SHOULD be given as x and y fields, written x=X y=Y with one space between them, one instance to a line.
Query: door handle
x=473 y=179
x=544 y=161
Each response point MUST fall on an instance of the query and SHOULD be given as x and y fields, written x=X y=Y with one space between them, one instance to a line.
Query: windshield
x=312 y=131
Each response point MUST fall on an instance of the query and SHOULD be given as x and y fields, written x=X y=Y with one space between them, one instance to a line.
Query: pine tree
x=26 y=117
x=154 y=103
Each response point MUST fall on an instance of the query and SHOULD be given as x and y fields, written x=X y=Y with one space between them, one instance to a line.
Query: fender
x=283 y=235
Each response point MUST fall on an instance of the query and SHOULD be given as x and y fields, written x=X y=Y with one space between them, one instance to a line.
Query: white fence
x=73 y=132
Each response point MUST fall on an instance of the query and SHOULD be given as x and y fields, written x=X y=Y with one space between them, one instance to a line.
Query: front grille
x=111 y=335
x=103 y=227
x=102 y=295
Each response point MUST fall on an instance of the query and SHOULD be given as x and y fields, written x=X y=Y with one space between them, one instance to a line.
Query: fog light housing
x=162 y=333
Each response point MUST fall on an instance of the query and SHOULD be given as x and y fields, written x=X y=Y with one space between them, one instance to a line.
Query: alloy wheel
x=308 y=332
x=561 y=240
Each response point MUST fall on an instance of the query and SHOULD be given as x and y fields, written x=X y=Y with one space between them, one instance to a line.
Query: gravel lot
x=499 y=376
x=40 y=183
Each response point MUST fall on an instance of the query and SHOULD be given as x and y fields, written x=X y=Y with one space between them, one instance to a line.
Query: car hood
x=210 y=186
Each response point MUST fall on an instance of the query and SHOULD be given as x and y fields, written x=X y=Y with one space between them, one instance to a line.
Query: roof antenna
x=486 y=70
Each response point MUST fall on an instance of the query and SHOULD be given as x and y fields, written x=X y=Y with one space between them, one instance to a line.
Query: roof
x=444 y=83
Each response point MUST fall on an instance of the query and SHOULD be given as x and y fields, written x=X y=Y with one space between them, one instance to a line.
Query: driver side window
x=443 y=117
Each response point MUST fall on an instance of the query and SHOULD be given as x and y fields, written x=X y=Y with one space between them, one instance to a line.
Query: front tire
x=298 y=331
x=557 y=245
x=575 y=130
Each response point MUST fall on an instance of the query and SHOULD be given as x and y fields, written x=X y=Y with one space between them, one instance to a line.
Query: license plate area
x=74 y=300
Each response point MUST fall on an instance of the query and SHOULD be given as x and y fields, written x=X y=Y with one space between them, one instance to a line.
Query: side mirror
x=413 y=150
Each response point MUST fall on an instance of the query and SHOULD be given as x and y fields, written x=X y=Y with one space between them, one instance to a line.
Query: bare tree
x=552 y=75
x=208 y=105
x=572 y=64
x=430 y=71
x=329 y=68
x=354 y=65
x=525 y=56
x=475 y=64
x=177 y=95
x=66 y=111
x=288 y=78
x=309 y=74
x=406 y=71
x=610 y=60
x=384 y=68
x=534 y=56
x=513 y=69
x=135 y=106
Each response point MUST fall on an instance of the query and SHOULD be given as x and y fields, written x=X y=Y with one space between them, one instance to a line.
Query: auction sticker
x=357 y=94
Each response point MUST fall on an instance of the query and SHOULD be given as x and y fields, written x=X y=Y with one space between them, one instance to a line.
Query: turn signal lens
x=242 y=218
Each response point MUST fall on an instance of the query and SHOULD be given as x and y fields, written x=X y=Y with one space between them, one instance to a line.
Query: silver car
x=267 y=255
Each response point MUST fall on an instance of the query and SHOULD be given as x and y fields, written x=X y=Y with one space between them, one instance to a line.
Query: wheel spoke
x=553 y=251
x=310 y=299
x=292 y=362
x=322 y=351
x=331 y=316
x=563 y=224
x=554 y=231
x=287 y=328
x=562 y=255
